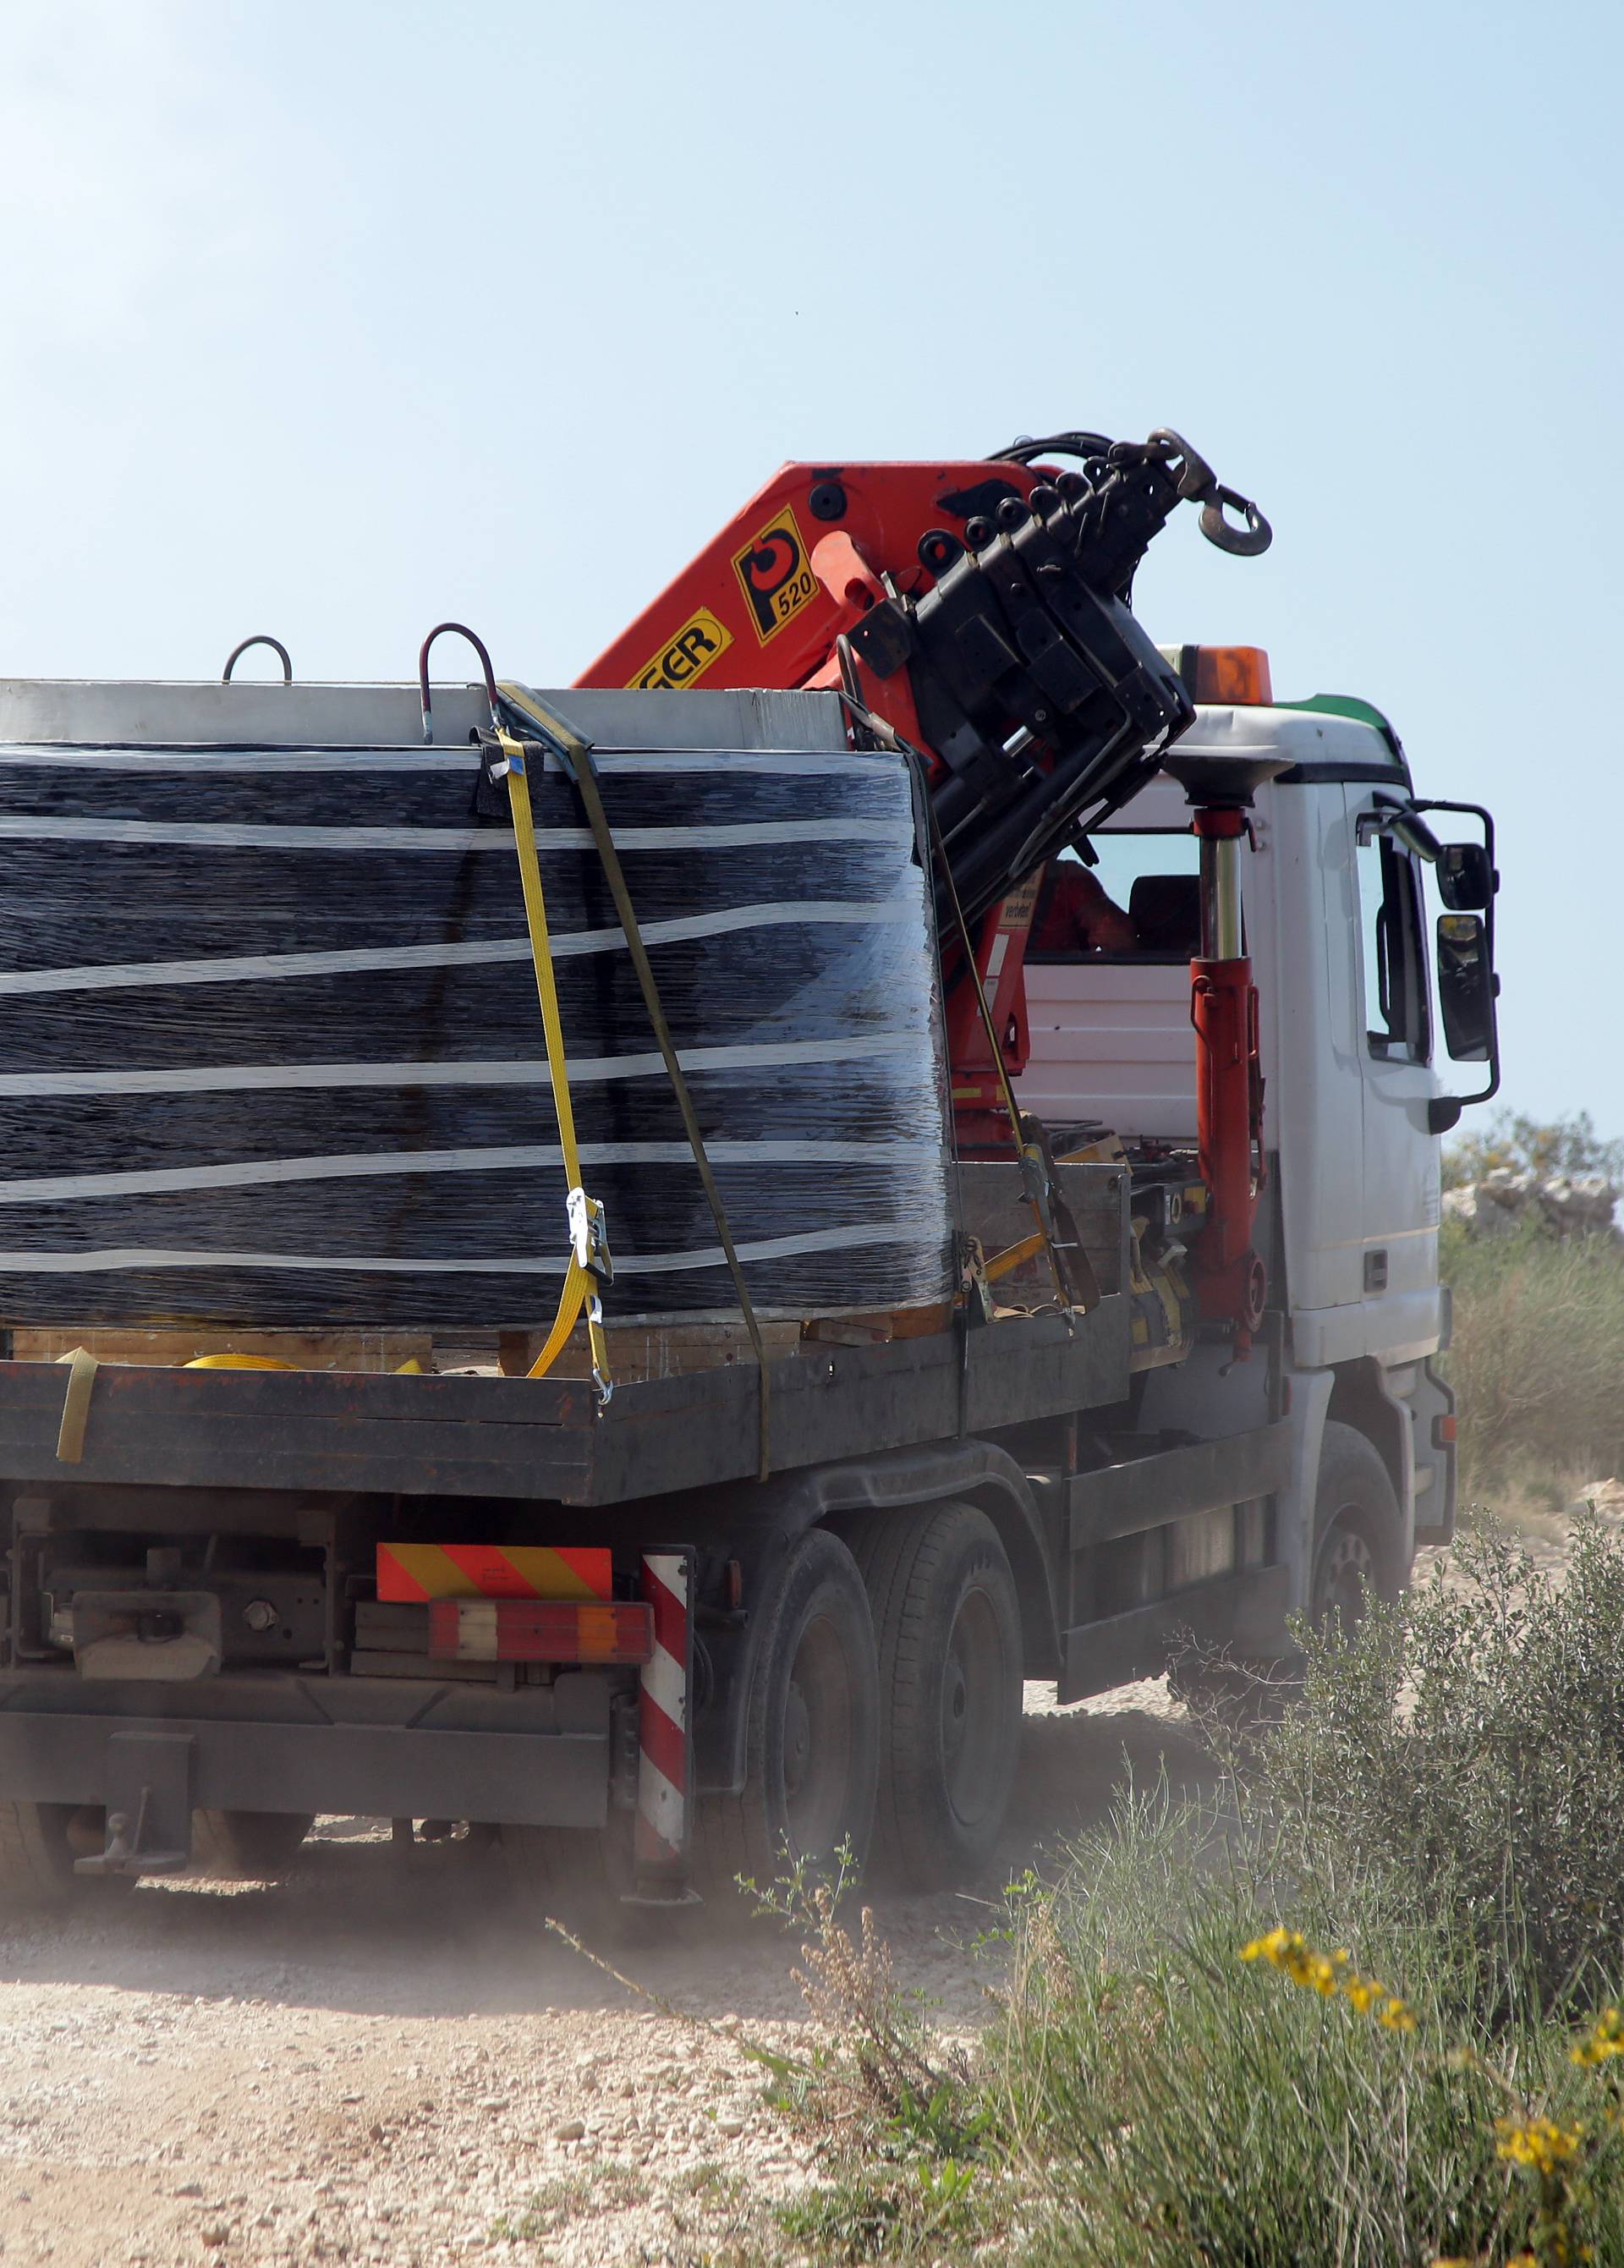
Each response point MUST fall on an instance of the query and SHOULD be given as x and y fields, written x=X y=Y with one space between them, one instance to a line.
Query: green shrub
x=1176 y=2108
x=1530 y=1145
x=1467 y=1747
x=1177 y=2078
x=1443 y=1809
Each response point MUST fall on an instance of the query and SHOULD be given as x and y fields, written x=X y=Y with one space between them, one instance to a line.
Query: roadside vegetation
x=1537 y=1361
x=1361 y=2009
x=1539 y=1326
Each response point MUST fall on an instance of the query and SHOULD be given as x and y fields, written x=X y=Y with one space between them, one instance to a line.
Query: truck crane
x=979 y=614
x=1186 y=1385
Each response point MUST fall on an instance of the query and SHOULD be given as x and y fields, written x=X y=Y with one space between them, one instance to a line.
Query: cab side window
x=1398 y=1025
x=1140 y=901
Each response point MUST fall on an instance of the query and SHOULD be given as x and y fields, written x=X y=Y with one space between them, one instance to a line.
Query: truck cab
x=1352 y=1046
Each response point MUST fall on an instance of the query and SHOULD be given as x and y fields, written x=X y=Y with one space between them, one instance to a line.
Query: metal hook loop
x=1197 y=484
x=259 y=638
x=459 y=629
x=1196 y=479
x=1245 y=542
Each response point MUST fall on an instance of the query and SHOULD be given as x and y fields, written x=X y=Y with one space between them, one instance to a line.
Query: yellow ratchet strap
x=75 y=1405
x=578 y=762
x=588 y=1243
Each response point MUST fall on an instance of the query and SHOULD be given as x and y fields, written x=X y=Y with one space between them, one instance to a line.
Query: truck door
x=1399 y=1229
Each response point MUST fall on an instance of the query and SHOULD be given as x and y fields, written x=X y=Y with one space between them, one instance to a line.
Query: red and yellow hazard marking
x=415 y=1572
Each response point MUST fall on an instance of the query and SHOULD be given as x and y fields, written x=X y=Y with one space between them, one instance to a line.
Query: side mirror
x=1467 y=985
x=1467 y=882
x=1466 y=988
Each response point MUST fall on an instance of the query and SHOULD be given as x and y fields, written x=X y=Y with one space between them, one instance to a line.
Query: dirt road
x=366 y=2065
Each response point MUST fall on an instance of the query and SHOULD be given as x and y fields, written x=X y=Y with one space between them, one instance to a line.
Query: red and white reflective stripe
x=662 y=1716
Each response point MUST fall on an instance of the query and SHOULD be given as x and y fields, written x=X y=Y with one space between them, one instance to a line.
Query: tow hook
x=148 y=1815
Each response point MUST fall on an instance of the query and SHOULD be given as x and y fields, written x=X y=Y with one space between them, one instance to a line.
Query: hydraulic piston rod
x=1230 y=1282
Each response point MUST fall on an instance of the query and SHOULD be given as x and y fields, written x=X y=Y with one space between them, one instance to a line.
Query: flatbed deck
x=542 y=1440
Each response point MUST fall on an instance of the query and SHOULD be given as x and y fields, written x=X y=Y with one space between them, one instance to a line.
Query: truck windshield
x=1141 y=902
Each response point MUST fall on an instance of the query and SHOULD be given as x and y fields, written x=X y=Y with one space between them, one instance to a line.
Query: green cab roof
x=1350 y=705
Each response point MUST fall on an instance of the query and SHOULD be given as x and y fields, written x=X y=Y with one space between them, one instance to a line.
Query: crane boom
x=979 y=611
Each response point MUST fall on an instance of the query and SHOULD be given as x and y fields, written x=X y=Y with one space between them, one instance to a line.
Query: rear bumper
x=396 y=1749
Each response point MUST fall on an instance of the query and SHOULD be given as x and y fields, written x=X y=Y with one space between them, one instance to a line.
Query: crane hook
x=1198 y=483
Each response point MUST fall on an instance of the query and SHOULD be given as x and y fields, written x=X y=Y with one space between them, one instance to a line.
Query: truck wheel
x=948 y=1624
x=37 y=1852
x=1357 y=1530
x=811 y=1735
x=249 y=1845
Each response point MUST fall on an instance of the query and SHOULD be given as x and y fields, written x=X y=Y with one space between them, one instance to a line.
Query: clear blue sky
x=333 y=320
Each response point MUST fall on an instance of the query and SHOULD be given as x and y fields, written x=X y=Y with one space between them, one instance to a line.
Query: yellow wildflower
x=1540 y=2144
x=1274 y=1947
x=1606 y=2038
x=1328 y=1974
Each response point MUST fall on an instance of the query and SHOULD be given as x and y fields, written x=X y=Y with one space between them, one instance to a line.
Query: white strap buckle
x=589 y=1235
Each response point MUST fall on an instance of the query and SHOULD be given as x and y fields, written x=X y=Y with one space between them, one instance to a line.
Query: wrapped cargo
x=270 y=1054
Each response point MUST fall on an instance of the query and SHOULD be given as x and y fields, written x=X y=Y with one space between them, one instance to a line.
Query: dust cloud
x=375 y=2061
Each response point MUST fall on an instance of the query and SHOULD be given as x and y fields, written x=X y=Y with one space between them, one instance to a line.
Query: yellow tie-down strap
x=588 y=1243
x=82 y=1367
x=578 y=763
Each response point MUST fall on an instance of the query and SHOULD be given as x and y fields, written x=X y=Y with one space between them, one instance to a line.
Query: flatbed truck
x=811 y=1631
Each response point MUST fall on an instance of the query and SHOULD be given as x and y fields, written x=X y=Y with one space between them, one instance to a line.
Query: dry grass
x=1538 y=1364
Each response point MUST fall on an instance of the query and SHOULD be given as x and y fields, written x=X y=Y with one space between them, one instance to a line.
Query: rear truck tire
x=812 y=1731
x=39 y=1843
x=1356 y=1531
x=947 y=1620
x=249 y=1845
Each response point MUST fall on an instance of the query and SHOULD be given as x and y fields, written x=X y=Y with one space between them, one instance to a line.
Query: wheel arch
x=1018 y=1521
x=1360 y=1399
x=760 y=1523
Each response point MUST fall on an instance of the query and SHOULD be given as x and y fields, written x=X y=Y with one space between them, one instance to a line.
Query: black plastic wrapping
x=270 y=1053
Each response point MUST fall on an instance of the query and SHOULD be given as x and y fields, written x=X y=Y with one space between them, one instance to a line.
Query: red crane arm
x=798 y=566
x=981 y=610
x=763 y=603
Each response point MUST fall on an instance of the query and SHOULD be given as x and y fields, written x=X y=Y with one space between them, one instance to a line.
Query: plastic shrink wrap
x=270 y=1052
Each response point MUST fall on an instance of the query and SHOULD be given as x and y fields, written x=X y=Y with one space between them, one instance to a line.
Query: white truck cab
x=1336 y=896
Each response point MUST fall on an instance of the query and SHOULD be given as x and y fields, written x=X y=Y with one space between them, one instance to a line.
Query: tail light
x=539 y=1630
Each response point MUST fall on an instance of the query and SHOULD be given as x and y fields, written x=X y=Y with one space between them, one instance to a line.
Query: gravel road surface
x=370 y=2063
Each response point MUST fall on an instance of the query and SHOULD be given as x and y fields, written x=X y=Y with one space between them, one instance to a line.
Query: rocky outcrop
x=1577 y=1205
